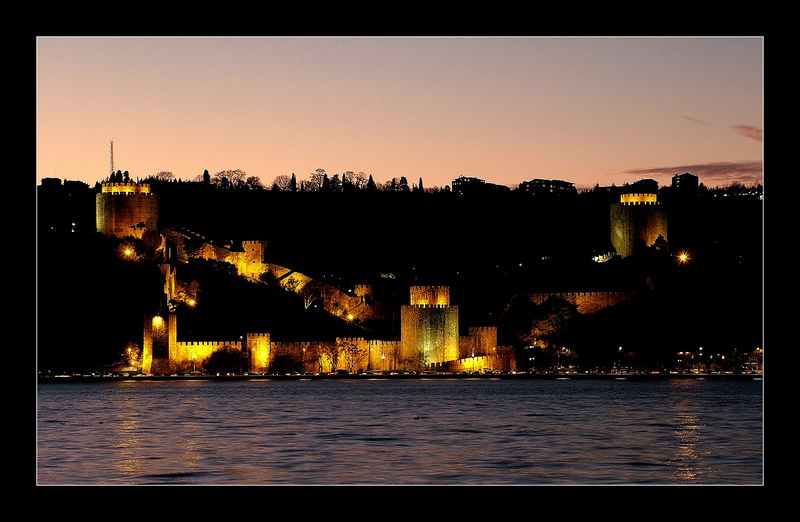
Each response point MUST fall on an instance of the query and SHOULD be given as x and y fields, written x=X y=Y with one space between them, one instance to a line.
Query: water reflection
x=400 y=432
x=689 y=459
x=128 y=455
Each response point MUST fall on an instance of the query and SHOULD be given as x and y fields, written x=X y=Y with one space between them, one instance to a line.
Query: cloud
x=711 y=174
x=695 y=120
x=748 y=131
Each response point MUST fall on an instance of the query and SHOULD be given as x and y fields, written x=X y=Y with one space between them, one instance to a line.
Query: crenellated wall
x=250 y=264
x=586 y=302
x=502 y=361
x=430 y=295
x=385 y=355
x=482 y=340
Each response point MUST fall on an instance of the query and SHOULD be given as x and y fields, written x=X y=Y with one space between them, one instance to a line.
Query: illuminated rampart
x=638 y=199
x=126 y=209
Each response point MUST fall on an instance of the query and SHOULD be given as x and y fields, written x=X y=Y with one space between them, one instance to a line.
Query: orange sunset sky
x=587 y=110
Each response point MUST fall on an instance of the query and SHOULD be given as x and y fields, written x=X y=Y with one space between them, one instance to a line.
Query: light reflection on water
x=407 y=432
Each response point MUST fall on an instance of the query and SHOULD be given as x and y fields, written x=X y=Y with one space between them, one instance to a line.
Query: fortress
x=429 y=324
x=429 y=340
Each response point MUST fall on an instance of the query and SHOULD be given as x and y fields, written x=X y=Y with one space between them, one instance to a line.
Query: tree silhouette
x=371 y=187
x=254 y=183
x=206 y=177
x=282 y=182
x=352 y=353
x=293 y=183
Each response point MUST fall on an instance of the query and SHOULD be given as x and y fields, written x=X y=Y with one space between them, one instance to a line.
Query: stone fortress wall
x=586 y=302
x=250 y=264
x=126 y=209
x=429 y=340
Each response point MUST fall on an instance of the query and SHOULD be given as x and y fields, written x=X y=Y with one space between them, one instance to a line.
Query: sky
x=585 y=110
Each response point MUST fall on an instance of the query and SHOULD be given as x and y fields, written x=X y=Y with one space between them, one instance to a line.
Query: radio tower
x=112 y=157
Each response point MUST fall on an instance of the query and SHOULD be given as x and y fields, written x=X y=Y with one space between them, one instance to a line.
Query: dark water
x=401 y=432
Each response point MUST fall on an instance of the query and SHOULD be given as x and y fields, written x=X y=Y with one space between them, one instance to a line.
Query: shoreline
x=519 y=376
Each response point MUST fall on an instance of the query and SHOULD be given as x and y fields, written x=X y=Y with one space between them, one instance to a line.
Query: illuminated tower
x=429 y=327
x=126 y=209
x=637 y=221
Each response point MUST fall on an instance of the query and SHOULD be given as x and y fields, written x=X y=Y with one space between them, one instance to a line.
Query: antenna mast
x=112 y=157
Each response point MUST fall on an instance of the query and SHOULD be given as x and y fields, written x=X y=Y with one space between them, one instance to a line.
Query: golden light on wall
x=638 y=199
x=191 y=302
x=158 y=321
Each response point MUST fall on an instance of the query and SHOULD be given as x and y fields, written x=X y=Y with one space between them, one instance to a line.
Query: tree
x=281 y=182
x=206 y=177
x=550 y=325
x=403 y=185
x=332 y=352
x=269 y=278
x=313 y=291
x=227 y=360
x=315 y=180
x=421 y=188
x=326 y=184
x=290 y=283
x=293 y=183
x=164 y=175
x=371 y=187
x=254 y=183
x=335 y=183
x=315 y=355
x=352 y=353
x=230 y=178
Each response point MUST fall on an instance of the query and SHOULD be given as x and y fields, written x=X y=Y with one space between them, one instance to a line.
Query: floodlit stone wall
x=126 y=214
x=586 y=302
x=429 y=333
x=430 y=295
x=482 y=340
x=636 y=223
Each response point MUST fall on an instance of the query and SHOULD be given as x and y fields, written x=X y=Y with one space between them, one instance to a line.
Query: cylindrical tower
x=126 y=209
x=638 y=220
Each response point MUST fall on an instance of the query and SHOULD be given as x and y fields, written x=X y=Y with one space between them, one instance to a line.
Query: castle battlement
x=638 y=199
x=125 y=188
x=430 y=295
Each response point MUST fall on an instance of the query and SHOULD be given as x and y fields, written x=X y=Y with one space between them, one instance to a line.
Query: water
x=400 y=432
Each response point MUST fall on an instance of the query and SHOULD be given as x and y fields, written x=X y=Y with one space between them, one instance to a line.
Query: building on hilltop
x=541 y=187
x=466 y=186
x=126 y=209
x=685 y=183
